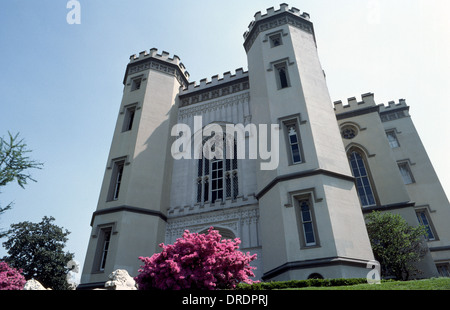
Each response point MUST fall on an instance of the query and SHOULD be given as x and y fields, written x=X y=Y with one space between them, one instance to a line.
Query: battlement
x=164 y=56
x=353 y=104
x=367 y=105
x=272 y=12
x=392 y=105
x=215 y=80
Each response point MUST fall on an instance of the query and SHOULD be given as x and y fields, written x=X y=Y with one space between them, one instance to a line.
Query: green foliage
x=351 y=284
x=279 y=285
x=37 y=249
x=395 y=244
x=14 y=164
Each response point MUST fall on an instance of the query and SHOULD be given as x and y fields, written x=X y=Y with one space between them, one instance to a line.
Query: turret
x=131 y=215
x=308 y=203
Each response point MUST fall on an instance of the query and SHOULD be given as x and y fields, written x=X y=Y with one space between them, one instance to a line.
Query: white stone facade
x=303 y=218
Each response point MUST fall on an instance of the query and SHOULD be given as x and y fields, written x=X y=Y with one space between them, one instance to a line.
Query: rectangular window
x=405 y=172
x=235 y=185
x=443 y=270
x=105 y=240
x=392 y=138
x=228 y=185
x=136 y=84
x=282 y=76
x=116 y=180
x=216 y=180
x=423 y=218
x=129 y=118
x=275 y=40
x=294 y=145
x=307 y=223
x=293 y=141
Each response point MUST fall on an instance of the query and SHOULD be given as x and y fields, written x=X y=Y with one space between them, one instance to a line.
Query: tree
x=197 y=261
x=14 y=164
x=395 y=244
x=37 y=249
x=10 y=278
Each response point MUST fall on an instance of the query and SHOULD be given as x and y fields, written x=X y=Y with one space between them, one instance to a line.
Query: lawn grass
x=427 y=284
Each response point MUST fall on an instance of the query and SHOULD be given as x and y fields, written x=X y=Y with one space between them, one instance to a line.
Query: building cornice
x=392 y=206
x=314 y=263
x=357 y=112
x=288 y=17
x=214 y=92
x=128 y=209
x=152 y=63
x=302 y=174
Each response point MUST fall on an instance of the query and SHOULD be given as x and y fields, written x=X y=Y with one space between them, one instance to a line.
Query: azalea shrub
x=10 y=278
x=197 y=261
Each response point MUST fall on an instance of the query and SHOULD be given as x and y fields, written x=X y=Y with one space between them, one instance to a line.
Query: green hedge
x=276 y=285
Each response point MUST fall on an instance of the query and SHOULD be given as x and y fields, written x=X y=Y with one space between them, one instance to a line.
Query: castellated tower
x=310 y=213
x=131 y=214
x=300 y=209
x=301 y=216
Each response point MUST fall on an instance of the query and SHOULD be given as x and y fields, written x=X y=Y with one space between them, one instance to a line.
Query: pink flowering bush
x=197 y=261
x=10 y=278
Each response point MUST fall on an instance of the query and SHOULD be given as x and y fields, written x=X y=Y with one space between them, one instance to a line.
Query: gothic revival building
x=303 y=215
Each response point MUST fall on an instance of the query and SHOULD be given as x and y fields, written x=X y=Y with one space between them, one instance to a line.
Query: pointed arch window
x=217 y=178
x=363 y=184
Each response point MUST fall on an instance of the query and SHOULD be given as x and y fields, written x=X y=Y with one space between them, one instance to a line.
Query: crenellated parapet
x=275 y=18
x=216 y=87
x=394 y=110
x=216 y=80
x=160 y=62
x=392 y=105
x=368 y=101
x=353 y=107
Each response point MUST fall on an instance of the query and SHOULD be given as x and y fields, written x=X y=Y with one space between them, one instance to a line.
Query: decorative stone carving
x=120 y=280
x=34 y=285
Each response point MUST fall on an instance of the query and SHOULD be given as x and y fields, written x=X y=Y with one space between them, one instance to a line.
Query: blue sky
x=61 y=84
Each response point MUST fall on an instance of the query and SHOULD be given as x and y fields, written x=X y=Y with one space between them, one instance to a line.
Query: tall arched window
x=217 y=178
x=360 y=172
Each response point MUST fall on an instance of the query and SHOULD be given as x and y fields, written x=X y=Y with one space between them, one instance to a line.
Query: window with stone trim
x=275 y=40
x=424 y=219
x=217 y=178
x=349 y=132
x=443 y=269
x=104 y=233
x=282 y=75
x=105 y=247
x=116 y=179
x=130 y=112
x=405 y=172
x=361 y=173
x=136 y=83
x=392 y=138
x=293 y=141
x=306 y=222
